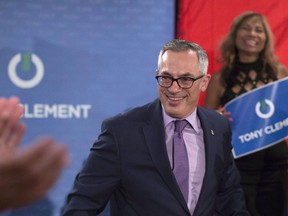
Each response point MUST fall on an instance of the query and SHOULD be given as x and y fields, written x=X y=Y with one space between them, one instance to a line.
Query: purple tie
x=181 y=164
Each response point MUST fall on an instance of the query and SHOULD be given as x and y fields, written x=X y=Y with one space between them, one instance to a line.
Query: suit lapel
x=209 y=133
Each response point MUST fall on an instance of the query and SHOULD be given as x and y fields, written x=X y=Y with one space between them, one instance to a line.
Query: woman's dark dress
x=264 y=173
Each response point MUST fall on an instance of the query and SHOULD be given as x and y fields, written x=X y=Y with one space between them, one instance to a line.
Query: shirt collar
x=192 y=119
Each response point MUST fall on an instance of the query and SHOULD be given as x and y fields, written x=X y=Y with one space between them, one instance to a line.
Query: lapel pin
x=212 y=132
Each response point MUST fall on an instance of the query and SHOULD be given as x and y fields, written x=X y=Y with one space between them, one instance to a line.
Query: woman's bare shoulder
x=282 y=71
x=217 y=76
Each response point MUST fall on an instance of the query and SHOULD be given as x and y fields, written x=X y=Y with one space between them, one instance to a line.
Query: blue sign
x=260 y=118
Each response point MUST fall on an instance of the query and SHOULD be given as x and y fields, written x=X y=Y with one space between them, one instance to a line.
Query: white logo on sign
x=26 y=83
x=271 y=109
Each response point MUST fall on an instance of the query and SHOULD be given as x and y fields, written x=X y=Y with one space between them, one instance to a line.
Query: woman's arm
x=214 y=92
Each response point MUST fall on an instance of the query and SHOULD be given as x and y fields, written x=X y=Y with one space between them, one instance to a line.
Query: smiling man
x=169 y=157
x=180 y=98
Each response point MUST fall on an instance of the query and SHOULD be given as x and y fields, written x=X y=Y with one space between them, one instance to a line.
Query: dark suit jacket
x=129 y=166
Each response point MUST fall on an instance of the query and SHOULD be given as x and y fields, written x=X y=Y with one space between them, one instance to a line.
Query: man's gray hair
x=177 y=45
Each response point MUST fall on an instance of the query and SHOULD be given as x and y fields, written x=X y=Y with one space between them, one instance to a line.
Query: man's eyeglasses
x=183 y=82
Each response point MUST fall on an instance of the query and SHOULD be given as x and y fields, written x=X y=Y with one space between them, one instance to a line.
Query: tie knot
x=180 y=125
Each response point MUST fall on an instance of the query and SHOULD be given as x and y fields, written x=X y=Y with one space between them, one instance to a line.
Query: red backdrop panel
x=207 y=22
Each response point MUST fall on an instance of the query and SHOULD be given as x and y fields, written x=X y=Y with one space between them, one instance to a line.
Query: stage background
x=99 y=59
x=207 y=22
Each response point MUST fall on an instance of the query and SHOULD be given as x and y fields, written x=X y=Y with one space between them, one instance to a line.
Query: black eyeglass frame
x=173 y=79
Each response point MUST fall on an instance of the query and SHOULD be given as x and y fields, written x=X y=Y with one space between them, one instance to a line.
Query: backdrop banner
x=259 y=118
x=74 y=63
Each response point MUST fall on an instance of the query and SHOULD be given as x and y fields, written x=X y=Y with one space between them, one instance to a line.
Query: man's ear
x=204 y=82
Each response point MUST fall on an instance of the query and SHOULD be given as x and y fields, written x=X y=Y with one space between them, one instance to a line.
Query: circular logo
x=23 y=83
x=264 y=109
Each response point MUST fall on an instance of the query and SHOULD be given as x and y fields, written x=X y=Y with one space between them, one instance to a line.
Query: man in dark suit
x=133 y=163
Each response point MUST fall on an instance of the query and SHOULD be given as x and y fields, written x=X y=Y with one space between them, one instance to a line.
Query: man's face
x=179 y=102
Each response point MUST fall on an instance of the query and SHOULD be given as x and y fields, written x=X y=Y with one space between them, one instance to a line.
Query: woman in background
x=248 y=62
